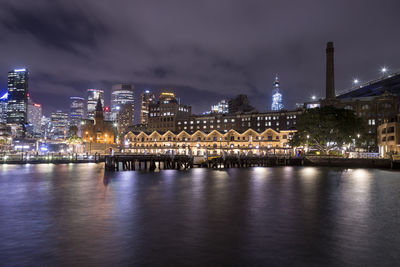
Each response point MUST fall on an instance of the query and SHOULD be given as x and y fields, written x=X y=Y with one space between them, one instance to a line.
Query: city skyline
x=71 y=62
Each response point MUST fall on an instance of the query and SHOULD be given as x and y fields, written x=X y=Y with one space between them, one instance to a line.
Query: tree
x=73 y=130
x=328 y=128
x=74 y=141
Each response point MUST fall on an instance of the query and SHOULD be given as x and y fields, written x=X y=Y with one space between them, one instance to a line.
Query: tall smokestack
x=330 y=76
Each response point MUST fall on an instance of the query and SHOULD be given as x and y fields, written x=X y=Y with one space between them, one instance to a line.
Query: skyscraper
x=34 y=118
x=17 y=96
x=276 y=96
x=122 y=105
x=92 y=97
x=77 y=110
x=3 y=107
x=122 y=99
x=59 y=123
x=147 y=99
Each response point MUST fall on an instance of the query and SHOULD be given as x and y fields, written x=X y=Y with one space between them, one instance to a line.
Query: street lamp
x=384 y=70
x=355 y=81
x=313 y=97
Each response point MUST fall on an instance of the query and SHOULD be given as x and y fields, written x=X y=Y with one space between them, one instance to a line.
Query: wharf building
x=164 y=115
x=122 y=105
x=259 y=122
x=76 y=110
x=147 y=98
x=92 y=96
x=389 y=136
x=215 y=142
x=17 y=100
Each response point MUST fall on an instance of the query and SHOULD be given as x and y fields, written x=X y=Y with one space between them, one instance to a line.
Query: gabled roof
x=215 y=131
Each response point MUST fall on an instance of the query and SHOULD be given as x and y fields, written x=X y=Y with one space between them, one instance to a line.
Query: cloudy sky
x=203 y=50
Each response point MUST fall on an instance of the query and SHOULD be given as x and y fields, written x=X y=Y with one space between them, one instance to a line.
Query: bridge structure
x=390 y=83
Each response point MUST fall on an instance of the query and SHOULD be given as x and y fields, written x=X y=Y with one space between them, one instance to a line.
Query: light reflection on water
x=80 y=215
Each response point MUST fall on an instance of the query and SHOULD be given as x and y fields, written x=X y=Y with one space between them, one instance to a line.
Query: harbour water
x=80 y=215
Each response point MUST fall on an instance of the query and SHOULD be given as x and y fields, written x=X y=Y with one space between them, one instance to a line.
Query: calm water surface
x=78 y=215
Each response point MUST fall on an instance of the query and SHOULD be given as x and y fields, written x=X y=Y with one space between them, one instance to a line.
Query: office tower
x=221 y=107
x=77 y=110
x=92 y=97
x=45 y=123
x=276 y=96
x=3 y=107
x=59 y=123
x=240 y=104
x=34 y=118
x=164 y=114
x=17 y=97
x=122 y=98
x=122 y=105
x=147 y=98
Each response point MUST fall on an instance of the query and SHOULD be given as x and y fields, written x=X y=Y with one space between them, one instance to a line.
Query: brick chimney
x=330 y=75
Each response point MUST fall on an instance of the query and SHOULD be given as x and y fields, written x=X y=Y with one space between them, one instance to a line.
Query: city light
x=356 y=81
x=313 y=97
x=384 y=70
x=19 y=70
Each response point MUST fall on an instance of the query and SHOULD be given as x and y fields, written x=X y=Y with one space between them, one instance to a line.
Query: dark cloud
x=56 y=25
x=204 y=50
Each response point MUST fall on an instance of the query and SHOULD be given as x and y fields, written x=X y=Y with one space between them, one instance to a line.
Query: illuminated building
x=276 y=96
x=147 y=98
x=59 y=125
x=389 y=136
x=34 y=118
x=92 y=97
x=3 y=107
x=213 y=142
x=164 y=114
x=373 y=102
x=45 y=123
x=107 y=114
x=76 y=110
x=98 y=130
x=122 y=98
x=17 y=97
x=259 y=122
x=221 y=107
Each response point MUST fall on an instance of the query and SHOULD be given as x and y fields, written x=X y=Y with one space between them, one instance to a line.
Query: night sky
x=203 y=50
